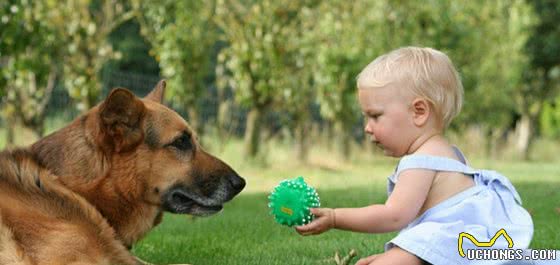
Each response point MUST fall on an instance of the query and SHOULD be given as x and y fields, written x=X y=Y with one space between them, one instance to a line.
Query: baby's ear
x=421 y=111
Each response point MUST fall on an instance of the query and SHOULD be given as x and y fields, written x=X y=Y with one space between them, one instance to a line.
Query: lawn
x=245 y=233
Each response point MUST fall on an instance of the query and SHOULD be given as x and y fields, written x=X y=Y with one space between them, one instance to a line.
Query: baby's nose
x=368 y=129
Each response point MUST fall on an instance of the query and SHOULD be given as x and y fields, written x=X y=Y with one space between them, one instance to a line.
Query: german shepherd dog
x=86 y=193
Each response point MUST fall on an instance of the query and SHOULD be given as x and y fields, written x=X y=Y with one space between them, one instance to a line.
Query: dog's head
x=171 y=169
x=133 y=158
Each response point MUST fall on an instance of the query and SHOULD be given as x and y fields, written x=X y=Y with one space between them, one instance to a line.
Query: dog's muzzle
x=184 y=199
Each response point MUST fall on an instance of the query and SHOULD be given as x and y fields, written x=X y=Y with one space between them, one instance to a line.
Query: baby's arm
x=399 y=210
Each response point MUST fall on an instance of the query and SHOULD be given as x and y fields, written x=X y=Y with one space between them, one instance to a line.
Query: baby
x=409 y=96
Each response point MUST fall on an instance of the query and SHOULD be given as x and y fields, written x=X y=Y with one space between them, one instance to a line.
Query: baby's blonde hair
x=426 y=72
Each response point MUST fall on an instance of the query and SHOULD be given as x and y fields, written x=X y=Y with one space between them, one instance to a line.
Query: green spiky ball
x=291 y=200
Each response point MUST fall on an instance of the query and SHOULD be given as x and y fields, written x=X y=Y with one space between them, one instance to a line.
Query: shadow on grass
x=245 y=233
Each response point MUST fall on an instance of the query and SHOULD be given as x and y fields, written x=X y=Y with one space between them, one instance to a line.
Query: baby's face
x=388 y=118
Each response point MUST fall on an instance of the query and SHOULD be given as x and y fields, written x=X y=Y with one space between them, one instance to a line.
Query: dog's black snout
x=237 y=182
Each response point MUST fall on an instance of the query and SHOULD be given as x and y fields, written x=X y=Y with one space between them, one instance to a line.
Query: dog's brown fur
x=86 y=193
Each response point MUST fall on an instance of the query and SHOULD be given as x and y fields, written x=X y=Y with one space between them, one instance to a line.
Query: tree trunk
x=525 y=134
x=328 y=134
x=489 y=143
x=10 y=133
x=253 y=132
x=224 y=115
x=302 y=141
x=194 y=120
x=90 y=100
x=36 y=127
x=346 y=145
x=343 y=139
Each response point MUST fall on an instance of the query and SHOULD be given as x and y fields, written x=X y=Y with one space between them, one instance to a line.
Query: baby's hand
x=324 y=220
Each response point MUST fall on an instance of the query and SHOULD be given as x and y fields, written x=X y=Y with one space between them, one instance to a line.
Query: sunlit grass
x=245 y=233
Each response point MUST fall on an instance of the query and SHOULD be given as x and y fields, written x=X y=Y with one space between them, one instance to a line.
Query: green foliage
x=283 y=56
x=550 y=119
x=183 y=36
x=491 y=60
x=29 y=52
x=253 y=31
x=542 y=48
x=543 y=45
x=342 y=50
x=85 y=26
x=134 y=49
x=186 y=48
x=542 y=75
x=265 y=61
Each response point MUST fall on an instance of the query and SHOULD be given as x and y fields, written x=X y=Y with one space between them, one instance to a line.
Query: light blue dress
x=482 y=210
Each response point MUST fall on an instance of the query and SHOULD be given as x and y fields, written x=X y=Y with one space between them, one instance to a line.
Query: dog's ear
x=121 y=120
x=158 y=92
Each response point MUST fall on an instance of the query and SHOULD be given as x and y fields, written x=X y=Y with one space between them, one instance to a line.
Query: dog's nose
x=237 y=182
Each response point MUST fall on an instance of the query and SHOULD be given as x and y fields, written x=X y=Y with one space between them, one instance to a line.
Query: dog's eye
x=183 y=143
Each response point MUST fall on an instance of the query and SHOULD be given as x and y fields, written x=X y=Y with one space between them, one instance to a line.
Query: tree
x=183 y=36
x=542 y=75
x=344 y=46
x=335 y=93
x=299 y=66
x=29 y=56
x=85 y=27
x=550 y=119
x=254 y=63
x=486 y=40
x=135 y=50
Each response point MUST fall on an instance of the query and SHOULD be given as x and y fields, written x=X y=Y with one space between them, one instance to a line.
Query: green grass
x=245 y=233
